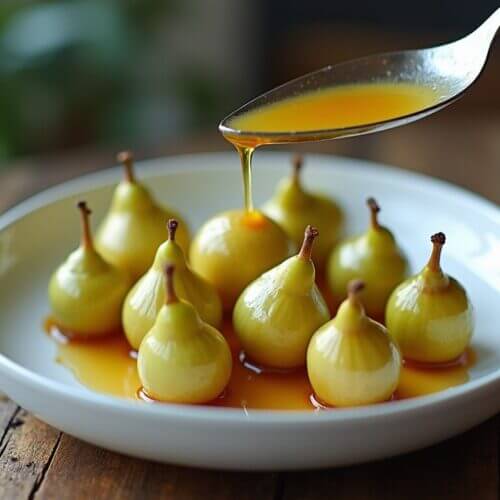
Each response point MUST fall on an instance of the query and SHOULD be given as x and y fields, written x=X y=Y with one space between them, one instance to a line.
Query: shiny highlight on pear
x=430 y=314
x=235 y=247
x=86 y=293
x=293 y=207
x=352 y=360
x=182 y=359
x=147 y=296
x=134 y=226
x=373 y=257
x=276 y=315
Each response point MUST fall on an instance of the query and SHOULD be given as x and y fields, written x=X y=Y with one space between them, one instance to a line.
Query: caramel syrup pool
x=109 y=366
x=320 y=111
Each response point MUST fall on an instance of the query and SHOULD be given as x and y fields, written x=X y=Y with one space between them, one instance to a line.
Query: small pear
x=86 y=293
x=375 y=258
x=276 y=315
x=148 y=295
x=293 y=207
x=429 y=314
x=182 y=359
x=235 y=247
x=134 y=227
x=352 y=360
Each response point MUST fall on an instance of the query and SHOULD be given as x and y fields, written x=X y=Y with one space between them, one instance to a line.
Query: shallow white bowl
x=37 y=234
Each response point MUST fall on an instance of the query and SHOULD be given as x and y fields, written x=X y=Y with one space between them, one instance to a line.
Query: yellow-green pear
x=86 y=293
x=352 y=360
x=293 y=207
x=134 y=226
x=373 y=257
x=182 y=359
x=233 y=248
x=276 y=315
x=430 y=315
x=148 y=295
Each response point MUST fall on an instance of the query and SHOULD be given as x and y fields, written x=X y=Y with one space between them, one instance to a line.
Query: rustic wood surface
x=37 y=461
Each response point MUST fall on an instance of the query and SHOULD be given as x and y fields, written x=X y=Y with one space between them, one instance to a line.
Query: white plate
x=38 y=233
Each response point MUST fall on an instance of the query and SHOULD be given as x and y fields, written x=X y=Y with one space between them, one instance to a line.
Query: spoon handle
x=490 y=27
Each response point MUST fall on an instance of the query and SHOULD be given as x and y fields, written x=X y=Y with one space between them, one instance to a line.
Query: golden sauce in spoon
x=324 y=111
x=334 y=108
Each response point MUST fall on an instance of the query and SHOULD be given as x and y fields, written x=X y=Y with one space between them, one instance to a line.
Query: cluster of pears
x=87 y=291
x=283 y=321
x=234 y=248
x=147 y=297
x=136 y=276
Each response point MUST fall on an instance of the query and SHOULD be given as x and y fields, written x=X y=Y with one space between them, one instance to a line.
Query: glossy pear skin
x=182 y=359
x=352 y=361
x=276 y=315
x=235 y=247
x=134 y=228
x=374 y=258
x=86 y=293
x=431 y=317
x=292 y=207
x=146 y=298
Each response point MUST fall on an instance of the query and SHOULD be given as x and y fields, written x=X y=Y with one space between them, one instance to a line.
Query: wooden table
x=37 y=461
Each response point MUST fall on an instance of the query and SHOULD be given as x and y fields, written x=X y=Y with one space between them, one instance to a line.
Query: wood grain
x=8 y=410
x=27 y=448
x=80 y=471
x=463 y=468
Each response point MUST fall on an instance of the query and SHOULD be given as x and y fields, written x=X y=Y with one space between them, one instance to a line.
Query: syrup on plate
x=108 y=366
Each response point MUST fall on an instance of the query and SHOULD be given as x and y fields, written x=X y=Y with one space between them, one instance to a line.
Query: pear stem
x=354 y=287
x=297 y=163
x=172 y=228
x=309 y=236
x=126 y=158
x=374 y=210
x=86 y=233
x=170 y=295
x=437 y=240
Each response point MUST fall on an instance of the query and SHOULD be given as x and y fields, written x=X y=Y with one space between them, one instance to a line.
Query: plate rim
x=158 y=166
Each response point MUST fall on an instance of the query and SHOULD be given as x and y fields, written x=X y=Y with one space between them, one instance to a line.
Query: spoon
x=448 y=69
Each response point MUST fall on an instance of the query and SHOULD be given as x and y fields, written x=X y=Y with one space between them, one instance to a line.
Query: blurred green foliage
x=84 y=72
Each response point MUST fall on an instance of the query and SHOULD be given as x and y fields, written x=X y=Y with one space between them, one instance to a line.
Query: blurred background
x=138 y=72
x=91 y=74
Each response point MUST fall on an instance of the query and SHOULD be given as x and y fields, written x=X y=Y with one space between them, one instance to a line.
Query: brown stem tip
x=170 y=296
x=354 y=287
x=82 y=206
x=374 y=210
x=126 y=158
x=84 y=215
x=297 y=163
x=310 y=235
x=172 y=225
x=437 y=240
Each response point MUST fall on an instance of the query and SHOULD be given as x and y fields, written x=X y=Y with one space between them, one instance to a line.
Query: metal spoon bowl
x=448 y=69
